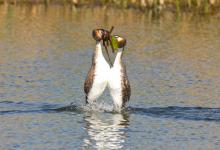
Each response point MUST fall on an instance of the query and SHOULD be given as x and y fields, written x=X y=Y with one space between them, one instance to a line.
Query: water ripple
x=172 y=112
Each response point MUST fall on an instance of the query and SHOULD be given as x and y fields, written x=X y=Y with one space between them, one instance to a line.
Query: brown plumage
x=90 y=77
x=126 y=89
x=119 y=85
x=96 y=80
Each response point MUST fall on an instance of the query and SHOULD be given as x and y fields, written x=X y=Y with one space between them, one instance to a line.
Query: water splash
x=97 y=107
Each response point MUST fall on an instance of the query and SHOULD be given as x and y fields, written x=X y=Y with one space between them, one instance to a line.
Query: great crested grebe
x=97 y=78
x=118 y=82
x=101 y=74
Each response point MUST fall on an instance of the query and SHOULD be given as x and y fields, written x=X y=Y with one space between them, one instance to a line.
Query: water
x=173 y=64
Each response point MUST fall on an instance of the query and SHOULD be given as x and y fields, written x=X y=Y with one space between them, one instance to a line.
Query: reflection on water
x=105 y=131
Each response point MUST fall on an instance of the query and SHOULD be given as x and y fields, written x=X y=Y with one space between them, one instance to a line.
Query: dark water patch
x=6 y=102
x=173 y=112
x=69 y=108
x=10 y=107
x=26 y=104
x=176 y=112
x=170 y=112
x=11 y=112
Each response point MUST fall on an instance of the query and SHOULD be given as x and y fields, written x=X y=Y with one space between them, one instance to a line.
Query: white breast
x=115 y=81
x=114 y=84
x=100 y=77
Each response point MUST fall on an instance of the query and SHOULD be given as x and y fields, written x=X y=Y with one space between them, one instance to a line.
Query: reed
x=178 y=5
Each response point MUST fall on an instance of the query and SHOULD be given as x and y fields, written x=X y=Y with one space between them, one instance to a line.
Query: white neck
x=118 y=56
x=99 y=57
x=98 y=50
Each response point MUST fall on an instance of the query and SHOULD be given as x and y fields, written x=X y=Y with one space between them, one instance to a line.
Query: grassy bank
x=203 y=6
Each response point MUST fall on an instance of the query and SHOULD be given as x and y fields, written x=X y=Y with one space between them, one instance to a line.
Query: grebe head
x=100 y=34
x=120 y=41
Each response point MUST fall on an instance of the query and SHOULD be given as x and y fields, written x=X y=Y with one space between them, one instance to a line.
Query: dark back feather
x=126 y=89
x=90 y=77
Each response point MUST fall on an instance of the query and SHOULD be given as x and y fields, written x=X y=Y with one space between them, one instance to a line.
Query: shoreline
x=155 y=6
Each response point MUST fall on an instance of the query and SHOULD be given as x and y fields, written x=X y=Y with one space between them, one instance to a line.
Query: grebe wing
x=126 y=89
x=89 y=80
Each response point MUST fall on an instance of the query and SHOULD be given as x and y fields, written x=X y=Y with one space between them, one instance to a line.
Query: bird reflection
x=105 y=131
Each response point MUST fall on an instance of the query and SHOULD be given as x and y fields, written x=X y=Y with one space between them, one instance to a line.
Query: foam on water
x=99 y=107
x=95 y=107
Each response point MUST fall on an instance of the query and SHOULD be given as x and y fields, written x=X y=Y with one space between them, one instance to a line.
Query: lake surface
x=173 y=64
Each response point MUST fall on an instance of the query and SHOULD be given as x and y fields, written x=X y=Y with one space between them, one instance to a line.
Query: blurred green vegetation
x=204 y=6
